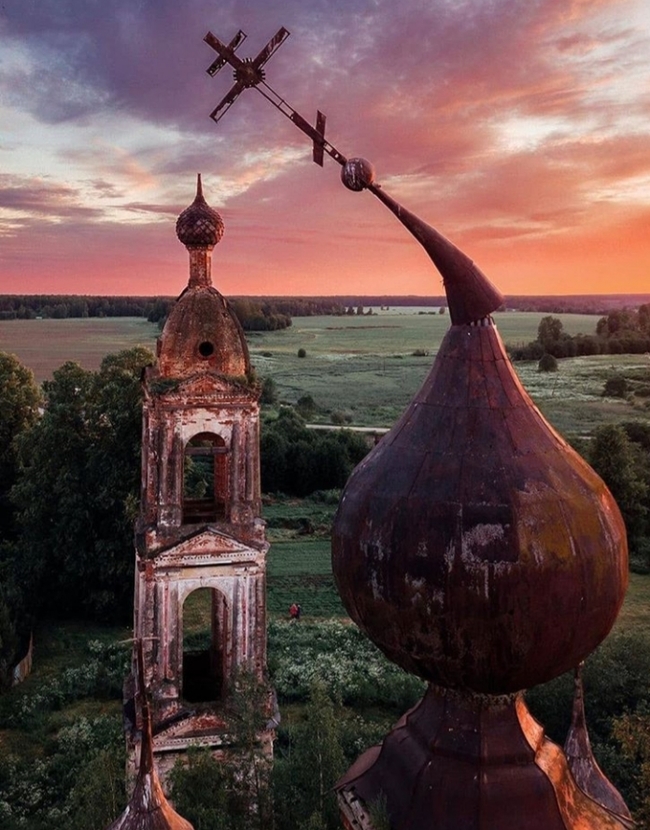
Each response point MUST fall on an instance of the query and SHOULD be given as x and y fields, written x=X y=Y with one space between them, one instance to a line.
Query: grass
x=301 y=571
x=44 y=345
x=370 y=363
x=635 y=614
x=367 y=361
x=288 y=519
x=57 y=648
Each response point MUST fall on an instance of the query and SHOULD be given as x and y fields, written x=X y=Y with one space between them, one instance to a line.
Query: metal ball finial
x=357 y=174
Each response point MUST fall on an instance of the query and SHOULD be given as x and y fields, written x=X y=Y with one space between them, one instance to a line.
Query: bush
x=269 y=391
x=353 y=670
x=340 y=418
x=101 y=676
x=616 y=387
x=306 y=406
x=302 y=353
x=547 y=363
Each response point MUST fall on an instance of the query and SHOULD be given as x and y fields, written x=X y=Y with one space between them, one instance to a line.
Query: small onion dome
x=199 y=226
x=202 y=335
x=473 y=545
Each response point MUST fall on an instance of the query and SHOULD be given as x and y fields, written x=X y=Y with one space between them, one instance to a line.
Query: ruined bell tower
x=200 y=540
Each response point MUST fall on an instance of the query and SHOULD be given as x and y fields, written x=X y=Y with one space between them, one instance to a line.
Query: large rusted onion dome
x=199 y=225
x=473 y=545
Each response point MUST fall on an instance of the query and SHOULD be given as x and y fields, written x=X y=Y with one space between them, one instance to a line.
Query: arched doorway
x=206 y=479
x=205 y=646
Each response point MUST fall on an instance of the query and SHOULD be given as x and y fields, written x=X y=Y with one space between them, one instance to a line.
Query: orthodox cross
x=249 y=74
x=470 y=295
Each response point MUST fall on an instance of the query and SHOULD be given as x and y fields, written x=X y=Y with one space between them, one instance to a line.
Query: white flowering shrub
x=354 y=671
x=100 y=676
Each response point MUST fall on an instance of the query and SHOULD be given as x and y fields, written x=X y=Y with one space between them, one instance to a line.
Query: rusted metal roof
x=479 y=551
x=148 y=809
x=473 y=545
x=469 y=762
x=584 y=767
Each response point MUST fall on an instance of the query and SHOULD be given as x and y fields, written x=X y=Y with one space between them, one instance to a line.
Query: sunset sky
x=518 y=128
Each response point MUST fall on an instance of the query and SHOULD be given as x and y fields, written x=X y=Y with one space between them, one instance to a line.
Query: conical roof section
x=584 y=767
x=470 y=294
x=148 y=808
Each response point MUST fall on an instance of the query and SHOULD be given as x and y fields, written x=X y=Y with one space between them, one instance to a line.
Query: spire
x=588 y=775
x=463 y=546
x=148 y=808
x=470 y=294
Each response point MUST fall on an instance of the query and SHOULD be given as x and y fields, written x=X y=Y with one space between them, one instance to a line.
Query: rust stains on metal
x=583 y=765
x=480 y=552
x=148 y=809
x=473 y=545
x=459 y=760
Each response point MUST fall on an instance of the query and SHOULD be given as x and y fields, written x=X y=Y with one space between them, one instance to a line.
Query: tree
x=618 y=463
x=632 y=731
x=77 y=492
x=231 y=793
x=20 y=399
x=269 y=391
x=202 y=792
x=298 y=461
x=616 y=387
x=304 y=778
x=306 y=406
x=549 y=331
x=8 y=642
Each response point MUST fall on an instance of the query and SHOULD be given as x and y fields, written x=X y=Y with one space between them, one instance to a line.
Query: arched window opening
x=206 y=468
x=205 y=653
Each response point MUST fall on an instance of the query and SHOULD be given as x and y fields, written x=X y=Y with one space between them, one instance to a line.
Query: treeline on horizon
x=622 y=331
x=268 y=313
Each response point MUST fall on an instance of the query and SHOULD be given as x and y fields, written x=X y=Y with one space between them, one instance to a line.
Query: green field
x=365 y=368
x=301 y=571
x=362 y=367
x=44 y=345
